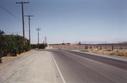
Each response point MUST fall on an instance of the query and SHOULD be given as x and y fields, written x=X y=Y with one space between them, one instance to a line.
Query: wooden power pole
x=29 y=22
x=22 y=7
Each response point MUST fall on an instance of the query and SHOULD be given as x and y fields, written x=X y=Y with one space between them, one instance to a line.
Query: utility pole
x=38 y=29
x=29 y=21
x=22 y=7
x=45 y=40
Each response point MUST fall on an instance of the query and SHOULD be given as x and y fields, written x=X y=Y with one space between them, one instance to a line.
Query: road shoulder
x=106 y=56
x=33 y=67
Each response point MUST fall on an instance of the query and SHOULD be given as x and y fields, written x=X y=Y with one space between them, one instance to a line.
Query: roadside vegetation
x=118 y=49
x=12 y=45
x=40 y=46
x=118 y=52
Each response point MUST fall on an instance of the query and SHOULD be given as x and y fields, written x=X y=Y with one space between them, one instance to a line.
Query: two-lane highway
x=61 y=66
x=83 y=68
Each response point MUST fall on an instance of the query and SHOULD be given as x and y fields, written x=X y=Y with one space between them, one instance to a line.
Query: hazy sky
x=68 y=20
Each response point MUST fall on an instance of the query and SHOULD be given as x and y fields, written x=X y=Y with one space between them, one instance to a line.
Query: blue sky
x=68 y=20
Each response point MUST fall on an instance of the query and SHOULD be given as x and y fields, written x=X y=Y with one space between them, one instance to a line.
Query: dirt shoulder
x=30 y=67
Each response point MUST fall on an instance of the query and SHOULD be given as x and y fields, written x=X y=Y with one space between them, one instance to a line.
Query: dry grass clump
x=118 y=52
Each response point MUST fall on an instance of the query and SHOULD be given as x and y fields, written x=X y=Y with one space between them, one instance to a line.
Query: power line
x=22 y=7
x=7 y=11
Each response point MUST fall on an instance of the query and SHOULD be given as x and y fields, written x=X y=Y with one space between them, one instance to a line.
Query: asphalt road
x=62 y=66
x=84 y=68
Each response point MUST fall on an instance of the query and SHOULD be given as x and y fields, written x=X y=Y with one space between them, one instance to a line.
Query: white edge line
x=59 y=70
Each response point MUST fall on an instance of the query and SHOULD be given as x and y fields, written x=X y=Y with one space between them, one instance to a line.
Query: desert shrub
x=13 y=44
x=40 y=46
